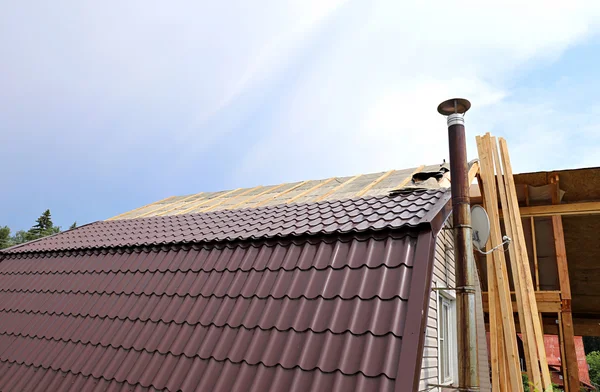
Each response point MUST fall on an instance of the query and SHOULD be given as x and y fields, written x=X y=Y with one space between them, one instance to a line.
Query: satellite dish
x=481 y=226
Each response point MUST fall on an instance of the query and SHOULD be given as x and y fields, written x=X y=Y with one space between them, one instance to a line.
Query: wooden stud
x=204 y=201
x=306 y=192
x=373 y=183
x=270 y=189
x=493 y=313
x=525 y=272
x=224 y=200
x=409 y=178
x=337 y=188
x=566 y=317
x=499 y=265
x=535 y=254
x=282 y=193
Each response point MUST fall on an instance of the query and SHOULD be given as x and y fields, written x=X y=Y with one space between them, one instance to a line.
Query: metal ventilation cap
x=454 y=105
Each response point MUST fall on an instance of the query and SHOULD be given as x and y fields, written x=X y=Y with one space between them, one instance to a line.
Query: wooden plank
x=582 y=208
x=246 y=201
x=493 y=313
x=525 y=272
x=561 y=344
x=409 y=178
x=373 y=183
x=203 y=202
x=499 y=265
x=224 y=200
x=306 y=192
x=173 y=206
x=282 y=193
x=141 y=208
x=524 y=310
x=337 y=188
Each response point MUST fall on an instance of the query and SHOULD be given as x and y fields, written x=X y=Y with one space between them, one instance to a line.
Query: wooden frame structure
x=548 y=302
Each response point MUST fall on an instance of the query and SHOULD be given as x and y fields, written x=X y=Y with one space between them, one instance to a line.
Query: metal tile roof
x=338 y=216
x=334 y=188
x=326 y=296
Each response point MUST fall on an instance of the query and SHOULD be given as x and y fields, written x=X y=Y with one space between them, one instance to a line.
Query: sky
x=108 y=106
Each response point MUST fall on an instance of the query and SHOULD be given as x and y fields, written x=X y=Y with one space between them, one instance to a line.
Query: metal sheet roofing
x=351 y=215
x=294 y=298
x=334 y=188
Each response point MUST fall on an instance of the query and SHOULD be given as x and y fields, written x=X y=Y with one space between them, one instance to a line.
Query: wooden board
x=501 y=276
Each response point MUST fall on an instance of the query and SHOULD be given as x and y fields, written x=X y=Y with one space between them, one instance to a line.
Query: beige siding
x=443 y=276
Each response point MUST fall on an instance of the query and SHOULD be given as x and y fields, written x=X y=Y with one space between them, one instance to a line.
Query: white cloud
x=367 y=99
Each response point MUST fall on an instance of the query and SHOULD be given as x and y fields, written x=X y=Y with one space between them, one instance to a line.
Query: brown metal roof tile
x=94 y=309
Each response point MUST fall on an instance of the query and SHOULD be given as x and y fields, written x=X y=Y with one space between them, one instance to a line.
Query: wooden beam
x=499 y=266
x=535 y=254
x=140 y=208
x=581 y=326
x=582 y=208
x=547 y=301
x=532 y=321
x=306 y=192
x=373 y=183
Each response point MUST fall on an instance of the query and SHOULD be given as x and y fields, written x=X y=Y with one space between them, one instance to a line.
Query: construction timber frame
x=538 y=309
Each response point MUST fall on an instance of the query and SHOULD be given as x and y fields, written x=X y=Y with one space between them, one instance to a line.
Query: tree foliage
x=593 y=360
x=43 y=227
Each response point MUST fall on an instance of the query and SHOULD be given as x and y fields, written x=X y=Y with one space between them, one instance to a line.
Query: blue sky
x=107 y=106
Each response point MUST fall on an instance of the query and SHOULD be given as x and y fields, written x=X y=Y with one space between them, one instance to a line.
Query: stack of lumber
x=496 y=179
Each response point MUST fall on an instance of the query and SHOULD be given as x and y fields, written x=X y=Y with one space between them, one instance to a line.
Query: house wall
x=444 y=276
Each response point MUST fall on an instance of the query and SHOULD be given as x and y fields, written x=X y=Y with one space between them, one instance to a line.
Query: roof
x=326 y=296
x=334 y=188
x=553 y=354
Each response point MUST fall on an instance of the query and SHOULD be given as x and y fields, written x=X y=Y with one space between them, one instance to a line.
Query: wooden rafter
x=141 y=208
x=282 y=193
x=409 y=178
x=308 y=191
x=246 y=201
x=206 y=201
x=224 y=200
x=173 y=206
x=337 y=188
x=373 y=183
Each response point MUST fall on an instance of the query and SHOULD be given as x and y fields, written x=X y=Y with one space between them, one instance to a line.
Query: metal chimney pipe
x=468 y=375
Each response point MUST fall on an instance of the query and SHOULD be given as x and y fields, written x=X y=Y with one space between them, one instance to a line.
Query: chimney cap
x=454 y=105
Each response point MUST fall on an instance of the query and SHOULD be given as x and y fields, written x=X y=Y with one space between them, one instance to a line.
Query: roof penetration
x=290 y=298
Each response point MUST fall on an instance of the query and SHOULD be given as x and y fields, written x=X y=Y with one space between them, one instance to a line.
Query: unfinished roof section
x=335 y=188
x=283 y=298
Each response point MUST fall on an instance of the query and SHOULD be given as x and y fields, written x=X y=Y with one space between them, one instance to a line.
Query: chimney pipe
x=468 y=376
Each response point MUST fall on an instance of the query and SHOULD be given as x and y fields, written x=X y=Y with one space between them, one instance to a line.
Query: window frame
x=447 y=300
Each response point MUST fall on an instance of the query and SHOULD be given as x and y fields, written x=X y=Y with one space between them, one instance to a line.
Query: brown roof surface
x=257 y=300
x=338 y=216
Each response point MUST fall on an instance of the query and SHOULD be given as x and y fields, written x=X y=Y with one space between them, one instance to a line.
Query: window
x=446 y=345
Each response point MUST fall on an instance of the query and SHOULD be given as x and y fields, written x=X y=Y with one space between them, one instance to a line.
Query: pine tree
x=5 y=239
